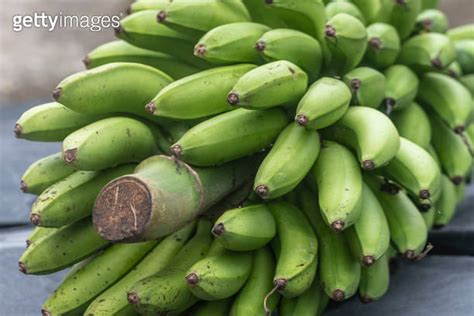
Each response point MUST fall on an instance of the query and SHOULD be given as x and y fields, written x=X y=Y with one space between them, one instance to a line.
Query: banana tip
x=409 y=254
x=301 y=120
x=57 y=93
x=355 y=84
x=401 y=2
x=260 y=45
x=262 y=191
x=150 y=107
x=35 y=219
x=437 y=63
x=457 y=180
x=389 y=105
x=23 y=186
x=365 y=299
x=200 y=50
x=133 y=298
x=192 y=279
x=338 y=226
x=427 y=24
x=22 y=267
x=70 y=155
x=118 y=30
x=390 y=188
x=375 y=43
x=424 y=194
x=280 y=284
x=367 y=261
x=338 y=295
x=176 y=150
x=129 y=10
x=28 y=243
x=268 y=1
x=45 y=313
x=424 y=207
x=330 y=31
x=86 y=61
x=459 y=129
x=17 y=130
x=218 y=229
x=161 y=16
x=233 y=98
x=368 y=164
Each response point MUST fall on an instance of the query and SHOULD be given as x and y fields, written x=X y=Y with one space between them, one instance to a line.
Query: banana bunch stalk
x=244 y=157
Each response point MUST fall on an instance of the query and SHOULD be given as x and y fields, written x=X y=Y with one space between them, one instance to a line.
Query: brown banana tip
x=365 y=299
x=35 y=219
x=409 y=254
x=427 y=24
x=262 y=191
x=22 y=267
x=150 y=107
x=192 y=279
x=355 y=84
x=17 y=130
x=280 y=284
x=86 y=61
x=200 y=50
x=70 y=155
x=23 y=186
x=161 y=16
x=338 y=295
x=218 y=229
x=129 y=10
x=459 y=129
x=338 y=226
x=133 y=298
x=424 y=194
x=452 y=74
x=118 y=30
x=260 y=45
x=268 y=1
x=330 y=31
x=375 y=43
x=368 y=164
x=176 y=150
x=233 y=98
x=424 y=207
x=390 y=188
x=367 y=261
x=57 y=93
x=301 y=120
x=28 y=243
x=436 y=63
x=457 y=180
x=389 y=105
x=45 y=313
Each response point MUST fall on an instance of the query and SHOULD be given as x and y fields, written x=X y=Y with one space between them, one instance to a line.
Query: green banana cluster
x=247 y=157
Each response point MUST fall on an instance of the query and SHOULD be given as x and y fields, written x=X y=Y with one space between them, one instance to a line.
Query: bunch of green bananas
x=240 y=157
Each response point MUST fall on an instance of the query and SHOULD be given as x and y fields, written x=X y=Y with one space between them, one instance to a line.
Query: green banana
x=401 y=14
x=461 y=32
x=431 y=20
x=221 y=274
x=429 y=4
x=346 y=39
x=72 y=198
x=250 y=299
x=383 y=45
x=276 y=83
x=413 y=124
x=246 y=228
x=367 y=86
x=324 y=103
x=310 y=303
x=121 y=140
x=446 y=205
x=454 y=70
x=50 y=122
x=293 y=46
x=461 y=191
x=61 y=249
x=289 y=160
x=166 y=291
x=421 y=183
x=37 y=234
x=78 y=289
x=369 y=237
x=430 y=149
x=338 y=178
x=401 y=88
x=214 y=308
x=198 y=95
x=429 y=216
x=468 y=82
x=213 y=142
x=454 y=155
x=115 y=87
x=144 y=5
x=374 y=280
x=465 y=55
x=45 y=172
x=335 y=7
x=121 y=51
x=113 y=301
x=231 y=43
x=297 y=262
x=408 y=231
x=369 y=132
x=260 y=12
x=427 y=52
x=447 y=97
x=370 y=9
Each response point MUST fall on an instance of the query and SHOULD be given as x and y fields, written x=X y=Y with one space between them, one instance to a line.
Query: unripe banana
x=346 y=39
x=198 y=95
x=454 y=155
x=465 y=55
x=430 y=149
x=335 y=7
x=369 y=237
x=79 y=288
x=374 y=280
x=367 y=86
x=276 y=83
x=61 y=249
x=50 y=122
x=289 y=160
x=429 y=4
x=338 y=178
x=166 y=291
x=45 y=172
x=297 y=262
x=401 y=14
x=121 y=51
x=401 y=88
x=427 y=52
x=37 y=234
x=214 y=308
x=368 y=132
x=408 y=231
x=115 y=87
x=213 y=142
x=231 y=43
x=246 y=228
x=446 y=205
x=144 y=5
x=110 y=142
x=324 y=103
x=310 y=303
x=431 y=20
x=370 y=9
x=383 y=45
x=461 y=32
x=260 y=12
x=447 y=98
x=413 y=124
x=468 y=82
x=250 y=299
x=71 y=199
x=113 y=301
x=221 y=274
x=429 y=216
x=422 y=183
x=460 y=191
